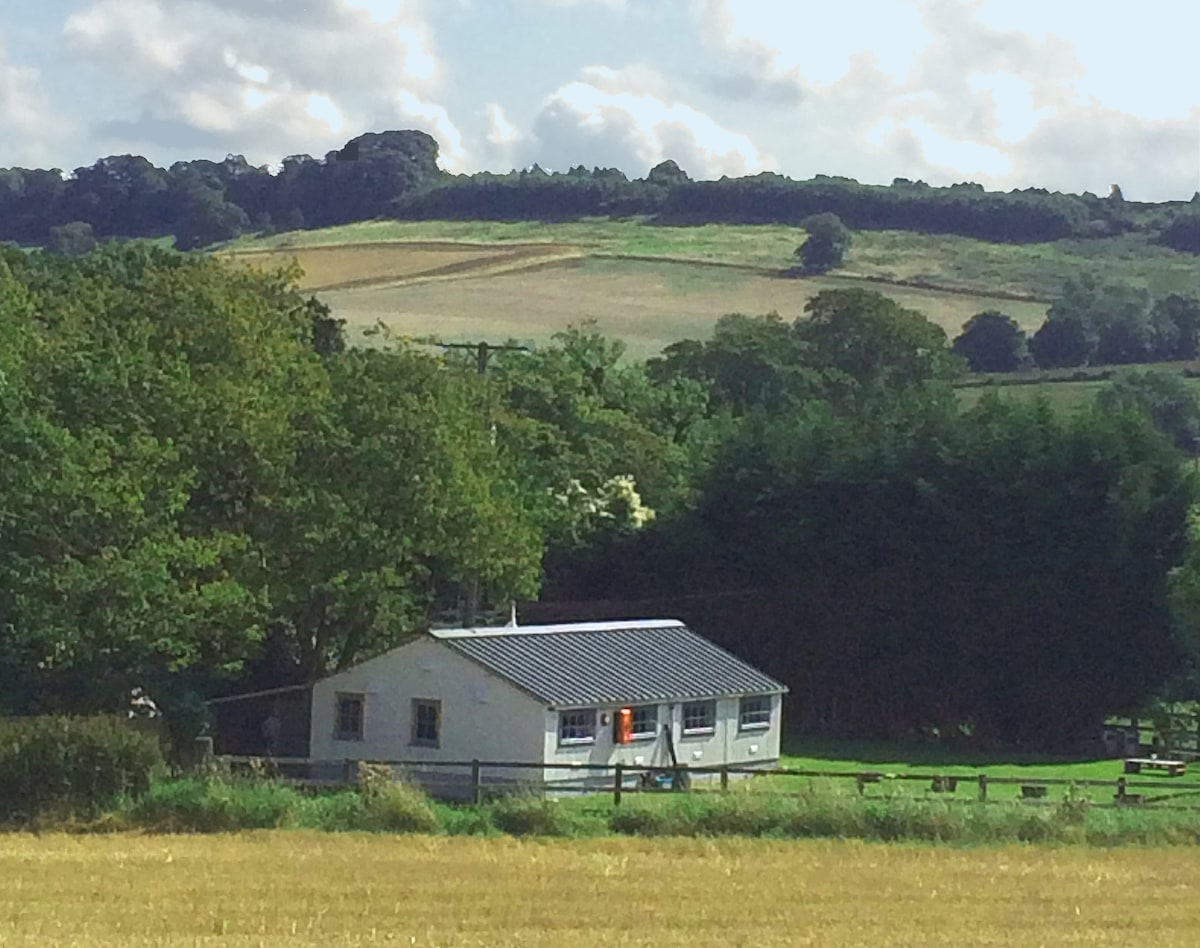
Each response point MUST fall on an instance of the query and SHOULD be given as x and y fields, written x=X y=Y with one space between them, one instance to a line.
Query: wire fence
x=478 y=780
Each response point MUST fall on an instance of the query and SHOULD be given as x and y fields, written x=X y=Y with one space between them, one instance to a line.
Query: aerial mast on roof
x=483 y=351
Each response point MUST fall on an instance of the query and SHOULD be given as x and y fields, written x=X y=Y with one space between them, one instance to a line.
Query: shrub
x=214 y=806
x=394 y=806
x=72 y=764
x=641 y=821
x=529 y=816
x=343 y=811
x=465 y=820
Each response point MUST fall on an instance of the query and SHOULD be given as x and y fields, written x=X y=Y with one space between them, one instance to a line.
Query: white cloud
x=565 y=4
x=133 y=35
x=608 y=122
x=947 y=90
x=436 y=121
x=323 y=108
x=30 y=127
x=264 y=79
x=1090 y=147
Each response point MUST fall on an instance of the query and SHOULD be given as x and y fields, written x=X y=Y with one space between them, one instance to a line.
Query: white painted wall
x=486 y=718
x=726 y=745
x=483 y=716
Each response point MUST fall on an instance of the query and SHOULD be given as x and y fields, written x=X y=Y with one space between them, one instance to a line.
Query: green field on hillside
x=956 y=263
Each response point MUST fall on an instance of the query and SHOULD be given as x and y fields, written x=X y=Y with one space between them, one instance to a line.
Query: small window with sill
x=699 y=717
x=577 y=727
x=643 y=723
x=348 y=723
x=426 y=722
x=755 y=713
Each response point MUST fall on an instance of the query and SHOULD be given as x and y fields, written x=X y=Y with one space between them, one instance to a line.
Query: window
x=426 y=722
x=577 y=727
x=699 y=717
x=755 y=713
x=349 y=723
x=644 y=723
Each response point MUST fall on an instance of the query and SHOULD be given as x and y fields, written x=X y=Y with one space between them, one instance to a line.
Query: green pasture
x=1035 y=271
x=1063 y=393
x=934 y=759
x=1062 y=396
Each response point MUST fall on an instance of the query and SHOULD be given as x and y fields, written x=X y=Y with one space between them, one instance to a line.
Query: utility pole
x=483 y=352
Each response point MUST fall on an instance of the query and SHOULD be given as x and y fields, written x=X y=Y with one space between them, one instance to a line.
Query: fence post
x=477 y=782
x=724 y=776
x=1120 y=789
x=348 y=773
x=983 y=788
x=618 y=783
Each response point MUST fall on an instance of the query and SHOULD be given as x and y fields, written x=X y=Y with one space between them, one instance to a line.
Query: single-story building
x=638 y=692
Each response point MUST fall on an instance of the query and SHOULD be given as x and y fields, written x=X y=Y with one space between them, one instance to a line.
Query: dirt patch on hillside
x=401 y=263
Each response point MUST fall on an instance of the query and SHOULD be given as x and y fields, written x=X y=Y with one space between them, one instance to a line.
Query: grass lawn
x=835 y=756
x=300 y=888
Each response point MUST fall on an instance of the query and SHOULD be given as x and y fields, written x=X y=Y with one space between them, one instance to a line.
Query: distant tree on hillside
x=72 y=240
x=667 y=173
x=1183 y=233
x=992 y=342
x=1182 y=312
x=1060 y=343
x=826 y=245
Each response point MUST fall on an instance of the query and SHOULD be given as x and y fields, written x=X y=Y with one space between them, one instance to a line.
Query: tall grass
x=379 y=806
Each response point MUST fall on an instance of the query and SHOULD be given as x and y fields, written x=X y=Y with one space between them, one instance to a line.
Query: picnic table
x=1174 y=768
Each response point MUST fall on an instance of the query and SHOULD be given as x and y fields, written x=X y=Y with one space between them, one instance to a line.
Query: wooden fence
x=476 y=780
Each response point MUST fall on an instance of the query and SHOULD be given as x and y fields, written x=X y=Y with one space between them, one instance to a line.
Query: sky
x=1070 y=95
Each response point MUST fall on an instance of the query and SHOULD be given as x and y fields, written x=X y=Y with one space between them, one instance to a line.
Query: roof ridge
x=568 y=628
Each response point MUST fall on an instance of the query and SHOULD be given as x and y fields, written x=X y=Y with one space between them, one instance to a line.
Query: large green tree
x=871 y=349
x=1001 y=572
x=826 y=242
x=992 y=342
x=189 y=484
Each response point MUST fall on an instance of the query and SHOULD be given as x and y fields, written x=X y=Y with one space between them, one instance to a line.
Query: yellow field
x=310 y=889
x=385 y=263
x=647 y=304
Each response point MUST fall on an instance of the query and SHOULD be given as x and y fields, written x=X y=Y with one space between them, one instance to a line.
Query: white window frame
x=417 y=739
x=710 y=715
x=644 y=735
x=340 y=734
x=756 y=717
x=581 y=722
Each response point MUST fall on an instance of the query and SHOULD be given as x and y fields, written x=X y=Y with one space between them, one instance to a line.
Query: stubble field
x=321 y=889
x=462 y=292
x=651 y=285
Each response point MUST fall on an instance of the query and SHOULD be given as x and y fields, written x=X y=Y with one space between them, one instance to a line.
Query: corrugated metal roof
x=597 y=663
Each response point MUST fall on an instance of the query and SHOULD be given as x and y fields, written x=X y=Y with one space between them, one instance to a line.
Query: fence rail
x=478 y=778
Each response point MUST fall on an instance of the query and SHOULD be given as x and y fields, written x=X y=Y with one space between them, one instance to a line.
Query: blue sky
x=1066 y=94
